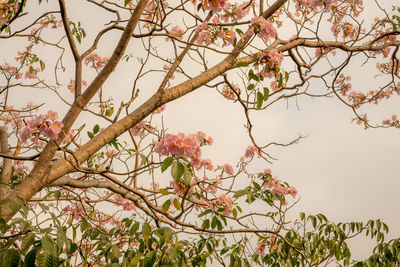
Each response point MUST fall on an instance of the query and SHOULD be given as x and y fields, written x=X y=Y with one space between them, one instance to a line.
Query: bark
x=7 y=164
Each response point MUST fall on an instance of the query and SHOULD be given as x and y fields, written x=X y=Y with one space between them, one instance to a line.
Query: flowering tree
x=124 y=191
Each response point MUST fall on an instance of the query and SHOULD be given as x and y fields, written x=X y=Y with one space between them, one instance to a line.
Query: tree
x=60 y=186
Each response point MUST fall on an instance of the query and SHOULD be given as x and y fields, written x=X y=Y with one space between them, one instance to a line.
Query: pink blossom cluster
x=141 y=129
x=154 y=11
x=207 y=163
x=180 y=145
x=228 y=93
x=32 y=73
x=345 y=85
x=359 y=98
x=180 y=188
x=227 y=168
x=7 y=10
x=96 y=61
x=159 y=109
x=176 y=32
x=263 y=28
x=213 y=5
x=250 y=151
x=13 y=118
x=50 y=20
x=260 y=248
x=71 y=85
x=394 y=121
x=19 y=166
x=209 y=33
x=235 y=12
x=75 y=212
x=222 y=202
x=269 y=240
x=278 y=188
x=183 y=145
x=46 y=124
x=269 y=61
x=10 y=71
x=125 y=203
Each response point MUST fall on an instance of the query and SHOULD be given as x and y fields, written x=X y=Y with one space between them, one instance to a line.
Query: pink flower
x=228 y=92
x=25 y=134
x=235 y=12
x=52 y=115
x=53 y=130
x=214 y=5
x=159 y=109
x=250 y=150
x=226 y=203
x=260 y=248
x=180 y=145
x=293 y=191
x=96 y=60
x=176 y=32
x=270 y=61
x=228 y=169
x=205 y=163
x=263 y=28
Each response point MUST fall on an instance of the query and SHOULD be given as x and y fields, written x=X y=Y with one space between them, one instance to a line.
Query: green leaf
x=166 y=163
x=187 y=175
x=242 y=192
x=286 y=76
x=164 y=191
x=47 y=260
x=26 y=243
x=242 y=64
x=280 y=82
x=302 y=216
x=150 y=259
x=90 y=134
x=146 y=230
x=206 y=224
x=84 y=224
x=144 y=159
x=11 y=258
x=166 y=205
x=48 y=244
x=250 y=87
x=96 y=129
x=177 y=204
x=266 y=93
x=214 y=222
x=115 y=254
x=239 y=31
x=109 y=112
x=252 y=76
x=177 y=170
x=42 y=65
x=134 y=228
x=127 y=2
x=260 y=99
x=204 y=213
x=57 y=194
x=30 y=259
x=234 y=213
